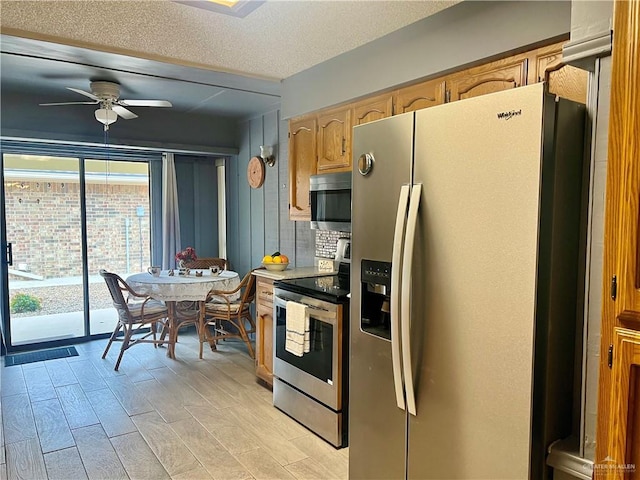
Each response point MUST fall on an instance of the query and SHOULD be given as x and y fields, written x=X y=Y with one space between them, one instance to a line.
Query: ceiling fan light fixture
x=106 y=116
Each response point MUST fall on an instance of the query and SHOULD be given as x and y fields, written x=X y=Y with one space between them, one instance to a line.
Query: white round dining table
x=182 y=288
x=175 y=288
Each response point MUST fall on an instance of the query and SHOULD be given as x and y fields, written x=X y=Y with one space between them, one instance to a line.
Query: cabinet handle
x=344 y=141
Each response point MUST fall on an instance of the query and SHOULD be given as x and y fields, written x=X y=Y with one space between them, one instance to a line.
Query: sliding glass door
x=118 y=230
x=43 y=224
x=67 y=218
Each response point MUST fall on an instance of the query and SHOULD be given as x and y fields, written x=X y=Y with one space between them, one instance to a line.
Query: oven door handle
x=407 y=265
x=396 y=261
x=314 y=312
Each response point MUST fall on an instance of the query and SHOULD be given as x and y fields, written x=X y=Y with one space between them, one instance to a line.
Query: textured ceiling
x=276 y=40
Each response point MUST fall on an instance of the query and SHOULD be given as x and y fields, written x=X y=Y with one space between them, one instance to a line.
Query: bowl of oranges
x=275 y=262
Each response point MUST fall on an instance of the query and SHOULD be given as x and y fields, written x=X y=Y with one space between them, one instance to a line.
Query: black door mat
x=39 y=356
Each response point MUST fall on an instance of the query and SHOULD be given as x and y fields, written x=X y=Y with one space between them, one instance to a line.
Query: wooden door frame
x=622 y=204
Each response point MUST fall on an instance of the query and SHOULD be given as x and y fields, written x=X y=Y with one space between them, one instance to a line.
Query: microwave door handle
x=407 y=265
x=396 y=259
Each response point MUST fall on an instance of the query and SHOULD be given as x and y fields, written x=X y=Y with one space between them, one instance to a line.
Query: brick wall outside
x=43 y=224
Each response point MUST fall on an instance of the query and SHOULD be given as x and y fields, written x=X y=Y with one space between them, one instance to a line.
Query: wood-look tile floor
x=76 y=418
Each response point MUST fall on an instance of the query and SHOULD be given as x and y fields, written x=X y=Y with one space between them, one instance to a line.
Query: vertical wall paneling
x=206 y=208
x=271 y=206
x=243 y=263
x=256 y=197
x=259 y=218
x=198 y=207
x=198 y=204
x=184 y=181
x=287 y=227
x=155 y=198
x=233 y=247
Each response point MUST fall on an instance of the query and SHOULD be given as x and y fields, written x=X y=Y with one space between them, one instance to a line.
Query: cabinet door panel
x=372 y=109
x=334 y=141
x=624 y=422
x=302 y=164
x=493 y=77
x=264 y=330
x=415 y=97
x=264 y=339
x=565 y=81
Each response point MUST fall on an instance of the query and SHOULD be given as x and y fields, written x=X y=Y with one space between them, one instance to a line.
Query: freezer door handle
x=405 y=304
x=396 y=259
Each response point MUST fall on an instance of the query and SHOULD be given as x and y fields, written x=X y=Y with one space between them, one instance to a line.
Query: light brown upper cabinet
x=422 y=95
x=565 y=81
x=334 y=140
x=492 y=77
x=302 y=164
x=325 y=146
x=374 y=108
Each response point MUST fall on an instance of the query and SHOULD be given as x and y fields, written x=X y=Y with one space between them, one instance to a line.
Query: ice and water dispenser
x=375 y=283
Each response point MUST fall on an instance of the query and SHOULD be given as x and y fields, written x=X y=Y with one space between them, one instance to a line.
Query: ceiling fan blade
x=86 y=94
x=67 y=103
x=123 y=112
x=145 y=103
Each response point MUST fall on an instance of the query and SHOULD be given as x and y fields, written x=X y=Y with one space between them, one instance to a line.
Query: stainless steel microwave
x=331 y=201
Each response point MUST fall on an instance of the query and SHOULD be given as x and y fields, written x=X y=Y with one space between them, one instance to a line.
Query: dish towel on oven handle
x=297 y=325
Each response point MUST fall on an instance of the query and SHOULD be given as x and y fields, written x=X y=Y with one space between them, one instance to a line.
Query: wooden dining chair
x=135 y=313
x=206 y=262
x=223 y=317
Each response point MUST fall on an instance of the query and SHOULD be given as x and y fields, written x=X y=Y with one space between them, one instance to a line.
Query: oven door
x=316 y=373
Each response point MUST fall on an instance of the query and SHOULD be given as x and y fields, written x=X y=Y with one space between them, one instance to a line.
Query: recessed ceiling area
x=47 y=80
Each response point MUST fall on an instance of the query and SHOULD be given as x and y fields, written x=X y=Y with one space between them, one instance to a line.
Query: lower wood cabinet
x=624 y=417
x=264 y=329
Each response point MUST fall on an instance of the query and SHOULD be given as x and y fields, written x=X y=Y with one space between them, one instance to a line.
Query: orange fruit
x=284 y=259
x=277 y=259
x=267 y=259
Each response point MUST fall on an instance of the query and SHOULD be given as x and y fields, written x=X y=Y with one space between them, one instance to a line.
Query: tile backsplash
x=326 y=242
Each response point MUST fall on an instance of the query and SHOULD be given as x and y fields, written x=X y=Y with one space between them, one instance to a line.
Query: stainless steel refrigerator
x=467 y=264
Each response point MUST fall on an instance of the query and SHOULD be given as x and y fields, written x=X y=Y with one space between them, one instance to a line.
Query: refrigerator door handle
x=396 y=259
x=405 y=304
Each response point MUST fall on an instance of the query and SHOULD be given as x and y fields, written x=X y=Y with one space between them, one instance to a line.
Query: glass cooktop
x=332 y=288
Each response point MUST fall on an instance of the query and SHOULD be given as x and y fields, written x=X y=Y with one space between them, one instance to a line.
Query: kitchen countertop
x=301 y=272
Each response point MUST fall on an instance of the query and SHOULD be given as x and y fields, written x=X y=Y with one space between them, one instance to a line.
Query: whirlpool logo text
x=509 y=115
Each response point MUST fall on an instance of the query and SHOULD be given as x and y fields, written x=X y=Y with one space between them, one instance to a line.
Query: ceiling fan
x=107 y=95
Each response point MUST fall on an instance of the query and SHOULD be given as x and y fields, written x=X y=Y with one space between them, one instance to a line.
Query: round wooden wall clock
x=255 y=172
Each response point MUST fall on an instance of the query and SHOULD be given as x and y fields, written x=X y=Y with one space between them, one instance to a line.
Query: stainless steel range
x=313 y=387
